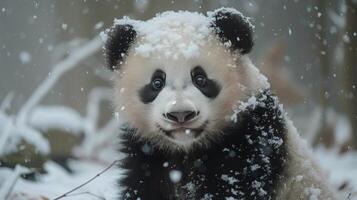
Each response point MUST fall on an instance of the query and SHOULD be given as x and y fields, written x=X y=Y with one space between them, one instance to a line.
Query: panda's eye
x=157 y=84
x=207 y=86
x=151 y=90
x=200 y=80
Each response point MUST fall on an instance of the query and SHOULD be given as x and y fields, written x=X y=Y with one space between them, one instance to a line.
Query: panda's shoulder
x=303 y=178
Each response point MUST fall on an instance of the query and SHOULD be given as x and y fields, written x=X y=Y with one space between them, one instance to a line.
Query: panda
x=199 y=121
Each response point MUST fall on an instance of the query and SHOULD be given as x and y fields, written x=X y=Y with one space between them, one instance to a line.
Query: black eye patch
x=208 y=87
x=149 y=92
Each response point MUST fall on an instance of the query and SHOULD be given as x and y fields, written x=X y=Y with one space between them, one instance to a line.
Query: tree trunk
x=350 y=68
x=325 y=132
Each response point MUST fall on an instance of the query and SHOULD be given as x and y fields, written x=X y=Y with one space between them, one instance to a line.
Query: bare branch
x=88 y=181
x=87 y=193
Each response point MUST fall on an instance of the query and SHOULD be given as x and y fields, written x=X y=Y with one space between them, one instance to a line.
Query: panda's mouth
x=183 y=132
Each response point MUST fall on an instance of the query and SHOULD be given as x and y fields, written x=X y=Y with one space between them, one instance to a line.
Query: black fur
x=148 y=93
x=233 y=28
x=211 y=88
x=246 y=163
x=117 y=45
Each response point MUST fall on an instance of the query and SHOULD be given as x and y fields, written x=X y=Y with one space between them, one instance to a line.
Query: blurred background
x=56 y=117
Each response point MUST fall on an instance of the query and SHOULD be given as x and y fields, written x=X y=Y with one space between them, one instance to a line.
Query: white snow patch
x=11 y=135
x=103 y=36
x=57 y=181
x=7 y=179
x=173 y=34
x=167 y=33
x=341 y=168
x=231 y=180
x=254 y=167
x=56 y=117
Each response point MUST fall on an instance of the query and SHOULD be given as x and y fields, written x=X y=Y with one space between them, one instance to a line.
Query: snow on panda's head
x=180 y=73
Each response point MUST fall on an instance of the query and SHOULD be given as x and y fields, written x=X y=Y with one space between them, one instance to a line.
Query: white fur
x=303 y=177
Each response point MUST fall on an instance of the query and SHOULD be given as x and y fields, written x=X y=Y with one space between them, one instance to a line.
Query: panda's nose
x=181 y=116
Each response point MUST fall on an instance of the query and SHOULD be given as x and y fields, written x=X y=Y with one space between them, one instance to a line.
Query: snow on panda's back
x=179 y=77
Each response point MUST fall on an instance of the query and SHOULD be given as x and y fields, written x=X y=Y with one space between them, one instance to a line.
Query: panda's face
x=180 y=101
x=180 y=74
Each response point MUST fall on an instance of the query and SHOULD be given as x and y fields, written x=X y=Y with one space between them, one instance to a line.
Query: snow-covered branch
x=58 y=70
x=14 y=128
x=6 y=103
x=10 y=181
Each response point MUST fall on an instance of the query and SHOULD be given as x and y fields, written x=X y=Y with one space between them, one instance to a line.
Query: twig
x=349 y=196
x=88 y=193
x=58 y=70
x=88 y=181
x=11 y=188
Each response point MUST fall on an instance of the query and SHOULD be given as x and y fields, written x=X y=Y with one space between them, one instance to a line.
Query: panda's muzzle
x=181 y=117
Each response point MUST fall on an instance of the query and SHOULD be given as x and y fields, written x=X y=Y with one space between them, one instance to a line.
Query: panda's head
x=179 y=74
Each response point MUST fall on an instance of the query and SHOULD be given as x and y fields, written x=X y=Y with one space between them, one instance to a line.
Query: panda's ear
x=119 y=39
x=233 y=28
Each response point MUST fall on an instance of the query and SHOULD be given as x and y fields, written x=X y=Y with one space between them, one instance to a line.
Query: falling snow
x=25 y=57
x=175 y=176
x=35 y=39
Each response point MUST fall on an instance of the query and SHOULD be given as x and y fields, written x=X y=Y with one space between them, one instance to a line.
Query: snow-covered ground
x=340 y=168
x=58 y=181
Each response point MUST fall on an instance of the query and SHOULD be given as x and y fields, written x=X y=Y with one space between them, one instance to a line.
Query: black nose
x=181 y=116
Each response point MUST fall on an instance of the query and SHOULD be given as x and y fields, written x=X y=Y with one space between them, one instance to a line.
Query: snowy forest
x=58 y=125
